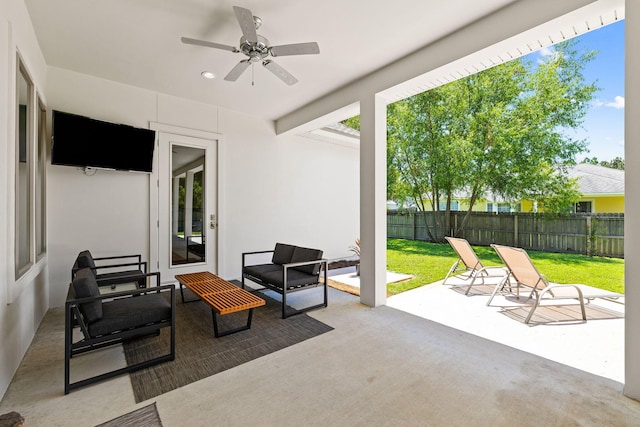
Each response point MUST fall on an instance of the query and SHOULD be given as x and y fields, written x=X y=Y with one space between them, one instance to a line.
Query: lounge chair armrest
x=258 y=252
x=301 y=263
x=139 y=256
x=141 y=264
x=244 y=255
x=134 y=277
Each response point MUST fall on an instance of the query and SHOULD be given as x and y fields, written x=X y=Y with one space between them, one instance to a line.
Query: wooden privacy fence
x=588 y=234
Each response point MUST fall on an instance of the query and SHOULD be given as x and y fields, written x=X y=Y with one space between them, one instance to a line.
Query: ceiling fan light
x=208 y=75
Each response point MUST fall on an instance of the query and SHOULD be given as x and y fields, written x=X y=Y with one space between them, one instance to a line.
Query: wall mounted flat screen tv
x=84 y=142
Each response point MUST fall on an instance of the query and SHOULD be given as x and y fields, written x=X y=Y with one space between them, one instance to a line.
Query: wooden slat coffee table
x=223 y=297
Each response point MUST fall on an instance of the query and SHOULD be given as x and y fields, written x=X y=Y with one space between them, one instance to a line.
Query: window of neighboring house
x=489 y=207
x=40 y=187
x=455 y=205
x=502 y=207
x=584 y=207
x=24 y=136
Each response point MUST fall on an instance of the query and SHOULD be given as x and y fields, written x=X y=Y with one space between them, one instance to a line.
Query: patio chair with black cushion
x=525 y=274
x=112 y=270
x=468 y=267
x=110 y=319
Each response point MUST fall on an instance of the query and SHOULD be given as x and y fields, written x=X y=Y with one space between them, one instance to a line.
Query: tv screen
x=84 y=142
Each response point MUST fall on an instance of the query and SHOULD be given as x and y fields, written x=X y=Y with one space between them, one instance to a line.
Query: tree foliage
x=498 y=132
x=616 y=163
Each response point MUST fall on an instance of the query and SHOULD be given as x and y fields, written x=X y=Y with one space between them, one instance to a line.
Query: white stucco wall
x=23 y=303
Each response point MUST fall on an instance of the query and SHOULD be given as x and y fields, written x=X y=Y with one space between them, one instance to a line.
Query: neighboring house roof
x=597 y=180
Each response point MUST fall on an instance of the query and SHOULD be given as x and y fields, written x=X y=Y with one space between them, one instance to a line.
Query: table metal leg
x=218 y=334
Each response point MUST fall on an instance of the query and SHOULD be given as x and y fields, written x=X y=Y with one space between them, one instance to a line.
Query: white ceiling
x=137 y=42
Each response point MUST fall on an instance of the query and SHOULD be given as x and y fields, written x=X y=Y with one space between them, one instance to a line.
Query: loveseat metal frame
x=285 y=290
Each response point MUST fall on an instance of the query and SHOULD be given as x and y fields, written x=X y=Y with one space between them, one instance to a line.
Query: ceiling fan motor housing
x=255 y=51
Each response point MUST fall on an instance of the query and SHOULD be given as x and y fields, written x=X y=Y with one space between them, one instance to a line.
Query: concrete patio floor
x=556 y=332
x=379 y=366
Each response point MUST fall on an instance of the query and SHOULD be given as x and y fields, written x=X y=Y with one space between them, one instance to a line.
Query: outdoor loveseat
x=297 y=267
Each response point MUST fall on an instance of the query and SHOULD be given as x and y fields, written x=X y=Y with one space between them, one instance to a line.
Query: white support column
x=188 y=204
x=632 y=200
x=175 y=207
x=373 y=201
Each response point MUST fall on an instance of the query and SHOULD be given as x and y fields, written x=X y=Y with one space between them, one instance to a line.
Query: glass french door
x=186 y=232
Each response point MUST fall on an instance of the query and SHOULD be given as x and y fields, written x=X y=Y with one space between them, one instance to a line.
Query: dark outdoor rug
x=143 y=417
x=199 y=354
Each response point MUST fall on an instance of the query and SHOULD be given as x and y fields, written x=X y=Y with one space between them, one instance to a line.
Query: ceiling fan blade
x=247 y=24
x=280 y=72
x=237 y=70
x=310 y=48
x=187 y=40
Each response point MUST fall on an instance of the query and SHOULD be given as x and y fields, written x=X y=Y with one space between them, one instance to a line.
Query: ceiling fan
x=257 y=48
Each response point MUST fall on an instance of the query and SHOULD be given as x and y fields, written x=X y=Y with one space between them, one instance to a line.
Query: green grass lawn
x=430 y=262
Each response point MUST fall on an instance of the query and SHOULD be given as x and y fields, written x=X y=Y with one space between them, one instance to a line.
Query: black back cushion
x=282 y=254
x=84 y=286
x=85 y=260
x=306 y=254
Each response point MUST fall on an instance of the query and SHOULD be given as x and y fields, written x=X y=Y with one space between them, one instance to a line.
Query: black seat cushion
x=295 y=278
x=258 y=271
x=306 y=254
x=282 y=253
x=127 y=313
x=85 y=286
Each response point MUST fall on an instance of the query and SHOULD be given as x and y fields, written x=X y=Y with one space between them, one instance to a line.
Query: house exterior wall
x=613 y=204
x=23 y=302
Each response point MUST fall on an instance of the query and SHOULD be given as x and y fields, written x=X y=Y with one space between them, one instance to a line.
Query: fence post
x=588 y=229
x=515 y=230
x=455 y=227
x=413 y=229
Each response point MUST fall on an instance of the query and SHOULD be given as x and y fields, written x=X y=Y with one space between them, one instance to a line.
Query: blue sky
x=604 y=123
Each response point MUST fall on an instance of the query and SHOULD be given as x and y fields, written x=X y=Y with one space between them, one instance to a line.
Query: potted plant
x=356 y=250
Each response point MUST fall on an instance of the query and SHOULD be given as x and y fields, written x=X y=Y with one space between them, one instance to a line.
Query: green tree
x=617 y=163
x=499 y=131
x=591 y=161
x=352 y=122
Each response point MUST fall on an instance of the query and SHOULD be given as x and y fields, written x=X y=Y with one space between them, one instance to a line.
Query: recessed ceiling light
x=208 y=75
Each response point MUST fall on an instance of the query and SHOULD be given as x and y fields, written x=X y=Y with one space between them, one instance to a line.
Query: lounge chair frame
x=113 y=272
x=468 y=262
x=74 y=318
x=529 y=276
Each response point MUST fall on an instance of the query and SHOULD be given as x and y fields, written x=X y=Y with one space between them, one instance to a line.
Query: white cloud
x=546 y=51
x=617 y=103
